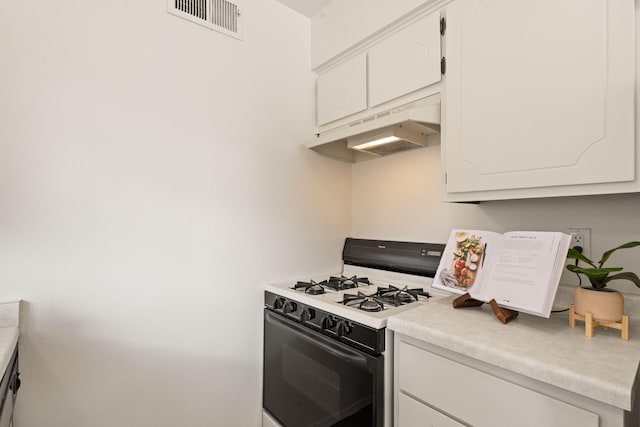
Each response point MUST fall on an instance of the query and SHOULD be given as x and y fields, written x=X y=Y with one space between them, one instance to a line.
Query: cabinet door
x=480 y=399
x=412 y=413
x=342 y=90
x=538 y=94
x=405 y=61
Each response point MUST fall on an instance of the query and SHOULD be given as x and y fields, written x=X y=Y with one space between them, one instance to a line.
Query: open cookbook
x=520 y=269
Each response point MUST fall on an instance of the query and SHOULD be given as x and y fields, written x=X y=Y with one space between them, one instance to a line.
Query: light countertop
x=8 y=341
x=9 y=331
x=602 y=368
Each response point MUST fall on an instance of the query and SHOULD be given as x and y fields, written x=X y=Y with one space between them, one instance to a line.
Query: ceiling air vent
x=220 y=15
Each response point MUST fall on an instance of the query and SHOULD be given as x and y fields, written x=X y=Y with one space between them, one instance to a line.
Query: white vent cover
x=220 y=15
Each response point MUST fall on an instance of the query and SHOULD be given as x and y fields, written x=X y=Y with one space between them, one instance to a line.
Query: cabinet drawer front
x=478 y=398
x=406 y=61
x=416 y=414
x=342 y=91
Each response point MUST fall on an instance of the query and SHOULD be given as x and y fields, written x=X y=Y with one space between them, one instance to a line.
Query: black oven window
x=313 y=380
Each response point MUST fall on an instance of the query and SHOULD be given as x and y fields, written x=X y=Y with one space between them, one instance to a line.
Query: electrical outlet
x=581 y=237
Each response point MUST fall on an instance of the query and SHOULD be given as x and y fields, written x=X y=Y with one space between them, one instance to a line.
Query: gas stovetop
x=356 y=294
x=361 y=293
x=378 y=279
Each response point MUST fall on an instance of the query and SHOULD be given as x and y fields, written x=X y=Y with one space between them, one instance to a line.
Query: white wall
x=152 y=179
x=398 y=198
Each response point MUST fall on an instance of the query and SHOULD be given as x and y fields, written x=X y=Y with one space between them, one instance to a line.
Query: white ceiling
x=306 y=7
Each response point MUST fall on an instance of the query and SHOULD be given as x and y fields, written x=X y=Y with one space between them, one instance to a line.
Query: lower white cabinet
x=412 y=413
x=436 y=387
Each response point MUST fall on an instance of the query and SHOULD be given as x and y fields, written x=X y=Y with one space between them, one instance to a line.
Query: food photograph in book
x=465 y=263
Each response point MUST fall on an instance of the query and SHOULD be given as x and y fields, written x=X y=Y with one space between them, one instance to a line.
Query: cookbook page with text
x=526 y=272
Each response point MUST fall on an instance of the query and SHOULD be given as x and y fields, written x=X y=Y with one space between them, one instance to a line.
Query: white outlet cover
x=586 y=235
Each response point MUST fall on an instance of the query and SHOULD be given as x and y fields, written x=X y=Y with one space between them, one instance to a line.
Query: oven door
x=313 y=380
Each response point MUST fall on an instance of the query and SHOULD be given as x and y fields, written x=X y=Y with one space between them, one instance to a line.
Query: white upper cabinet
x=398 y=65
x=538 y=94
x=343 y=24
x=342 y=90
x=405 y=61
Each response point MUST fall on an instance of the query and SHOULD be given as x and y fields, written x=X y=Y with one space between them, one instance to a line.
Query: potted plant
x=603 y=304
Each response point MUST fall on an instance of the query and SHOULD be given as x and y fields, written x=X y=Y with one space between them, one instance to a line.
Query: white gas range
x=371 y=299
x=326 y=343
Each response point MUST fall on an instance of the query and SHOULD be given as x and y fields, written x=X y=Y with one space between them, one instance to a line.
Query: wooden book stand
x=505 y=315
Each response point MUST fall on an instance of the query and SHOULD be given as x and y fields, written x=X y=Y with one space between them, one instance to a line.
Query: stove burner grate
x=334 y=283
x=311 y=287
x=402 y=295
x=363 y=302
x=342 y=282
x=383 y=297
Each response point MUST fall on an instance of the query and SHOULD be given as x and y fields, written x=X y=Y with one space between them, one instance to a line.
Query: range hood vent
x=385 y=133
x=390 y=139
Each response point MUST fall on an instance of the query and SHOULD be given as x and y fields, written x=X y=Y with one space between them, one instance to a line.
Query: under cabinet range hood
x=387 y=132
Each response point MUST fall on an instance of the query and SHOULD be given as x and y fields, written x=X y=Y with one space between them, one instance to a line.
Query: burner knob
x=328 y=322
x=307 y=314
x=344 y=328
x=278 y=303
x=289 y=307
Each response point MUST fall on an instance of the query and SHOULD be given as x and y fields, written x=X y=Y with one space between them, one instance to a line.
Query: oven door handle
x=331 y=346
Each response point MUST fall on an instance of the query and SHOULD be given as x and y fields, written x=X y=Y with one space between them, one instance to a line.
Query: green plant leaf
x=573 y=254
x=627 y=275
x=597 y=284
x=589 y=272
x=607 y=254
x=598 y=277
